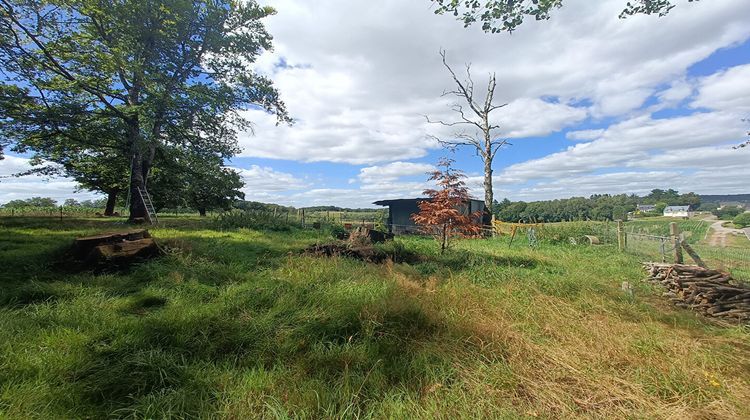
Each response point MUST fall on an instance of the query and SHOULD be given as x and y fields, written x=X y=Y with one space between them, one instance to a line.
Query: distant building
x=401 y=210
x=677 y=211
x=644 y=208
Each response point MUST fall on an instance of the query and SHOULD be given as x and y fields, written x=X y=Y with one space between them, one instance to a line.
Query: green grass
x=239 y=324
x=693 y=230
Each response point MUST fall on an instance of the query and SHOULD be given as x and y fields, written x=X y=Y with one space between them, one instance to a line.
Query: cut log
x=82 y=247
x=124 y=251
x=115 y=248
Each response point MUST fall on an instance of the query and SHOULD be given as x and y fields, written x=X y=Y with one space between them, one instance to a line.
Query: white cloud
x=611 y=183
x=728 y=90
x=371 y=69
x=641 y=139
x=361 y=75
x=21 y=188
x=528 y=117
x=267 y=185
x=393 y=171
x=677 y=91
x=584 y=134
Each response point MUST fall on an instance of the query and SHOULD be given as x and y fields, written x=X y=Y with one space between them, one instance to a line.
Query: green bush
x=728 y=212
x=338 y=232
x=252 y=220
x=742 y=220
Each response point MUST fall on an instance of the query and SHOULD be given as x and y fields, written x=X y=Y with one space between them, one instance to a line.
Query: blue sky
x=596 y=104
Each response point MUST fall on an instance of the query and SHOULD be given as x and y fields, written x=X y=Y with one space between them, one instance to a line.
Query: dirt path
x=718 y=234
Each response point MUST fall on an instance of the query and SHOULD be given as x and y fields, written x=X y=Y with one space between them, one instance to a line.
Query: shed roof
x=676 y=208
x=404 y=200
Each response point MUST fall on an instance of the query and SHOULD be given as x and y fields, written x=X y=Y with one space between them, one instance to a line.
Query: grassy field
x=238 y=324
x=734 y=257
x=694 y=230
x=374 y=216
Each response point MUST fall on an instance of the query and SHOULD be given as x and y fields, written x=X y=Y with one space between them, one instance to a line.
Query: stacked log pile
x=711 y=292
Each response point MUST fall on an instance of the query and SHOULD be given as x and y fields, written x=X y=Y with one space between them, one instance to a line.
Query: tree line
x=596 y=207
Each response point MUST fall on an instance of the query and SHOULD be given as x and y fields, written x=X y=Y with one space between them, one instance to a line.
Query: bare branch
x=484 y=142
x=463 y=91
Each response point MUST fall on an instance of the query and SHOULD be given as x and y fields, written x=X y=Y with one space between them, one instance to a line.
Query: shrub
x=338 y=232
x=728 y=212
x=251 y=220
x=742 y=220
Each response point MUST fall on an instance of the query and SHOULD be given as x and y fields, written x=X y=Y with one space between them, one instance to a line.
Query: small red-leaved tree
x=444 y=216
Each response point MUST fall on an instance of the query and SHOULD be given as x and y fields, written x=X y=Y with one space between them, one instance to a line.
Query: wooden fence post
x=620 y=236
x=694 y=255
x=303 y=217
x=674 y=231
x=61 y=213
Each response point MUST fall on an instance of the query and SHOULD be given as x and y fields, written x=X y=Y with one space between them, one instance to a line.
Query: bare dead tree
x=474 y=127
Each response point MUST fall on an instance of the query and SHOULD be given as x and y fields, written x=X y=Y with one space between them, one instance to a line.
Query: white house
x=678 y=211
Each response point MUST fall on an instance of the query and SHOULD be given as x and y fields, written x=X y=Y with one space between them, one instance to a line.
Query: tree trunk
x=139 y=170
x=137 y=207
x=202 y=211
x=445 y=239
x=488 y=198
x=137 y=181
x=109 y=210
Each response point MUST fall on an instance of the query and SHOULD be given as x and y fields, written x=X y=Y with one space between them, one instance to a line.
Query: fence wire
x=735 y=260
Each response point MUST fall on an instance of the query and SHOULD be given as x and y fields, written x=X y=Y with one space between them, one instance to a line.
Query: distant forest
x=606 y=207
x=726 y=198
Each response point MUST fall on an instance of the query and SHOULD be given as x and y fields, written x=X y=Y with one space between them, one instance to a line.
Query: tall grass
x=575 y=232
x=692 y=230
x=240 y=324
x=251 y=219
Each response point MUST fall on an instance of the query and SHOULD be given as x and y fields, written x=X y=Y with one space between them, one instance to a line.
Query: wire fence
x=734 y=259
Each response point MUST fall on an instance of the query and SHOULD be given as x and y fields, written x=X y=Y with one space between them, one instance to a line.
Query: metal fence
x=735 y=260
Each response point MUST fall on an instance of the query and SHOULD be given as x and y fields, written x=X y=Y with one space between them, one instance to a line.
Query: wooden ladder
x=149 y=205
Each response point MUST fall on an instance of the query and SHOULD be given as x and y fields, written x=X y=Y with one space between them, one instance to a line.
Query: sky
x=596 y=104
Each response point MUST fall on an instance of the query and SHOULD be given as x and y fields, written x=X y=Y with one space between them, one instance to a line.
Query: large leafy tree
x=173 y=73
x=186 y=179
x=507 y=15
x=89 y=151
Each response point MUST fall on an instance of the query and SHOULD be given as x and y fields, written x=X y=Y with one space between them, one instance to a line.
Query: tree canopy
x=596 y=207
x=173 y=73
x=507 y=15
x=187 y=180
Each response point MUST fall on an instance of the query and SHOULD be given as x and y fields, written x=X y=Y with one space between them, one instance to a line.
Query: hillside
x=723 y=198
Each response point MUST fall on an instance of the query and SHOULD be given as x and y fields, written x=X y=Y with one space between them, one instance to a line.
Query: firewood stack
x=710 y=292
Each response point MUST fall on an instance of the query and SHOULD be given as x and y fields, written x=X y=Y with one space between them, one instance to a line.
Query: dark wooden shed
x=401 y=210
